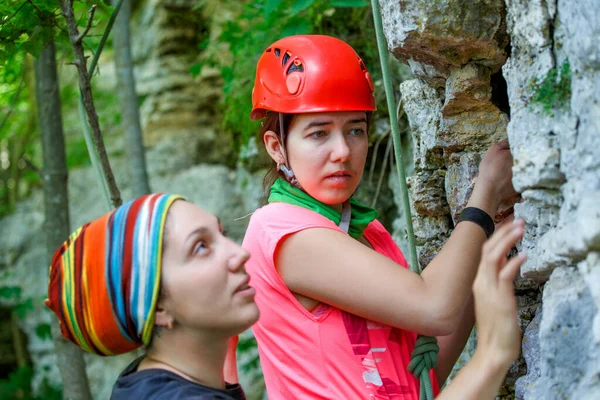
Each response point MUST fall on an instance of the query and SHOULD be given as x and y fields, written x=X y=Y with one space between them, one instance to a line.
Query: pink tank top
x=327 y=353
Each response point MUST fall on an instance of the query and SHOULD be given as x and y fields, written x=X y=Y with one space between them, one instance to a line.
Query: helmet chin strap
x=291 y=178
x=346 y=216
x=284 y=168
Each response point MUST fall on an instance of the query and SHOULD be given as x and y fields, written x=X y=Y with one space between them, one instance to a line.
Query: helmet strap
x=346 y=216
x=284 y=167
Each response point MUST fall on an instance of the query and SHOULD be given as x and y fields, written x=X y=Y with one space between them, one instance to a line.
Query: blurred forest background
x=167 y=91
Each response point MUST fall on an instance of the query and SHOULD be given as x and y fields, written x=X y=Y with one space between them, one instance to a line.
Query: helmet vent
x=286 y=58
x=362 y=65
x=295 y=67
x=268 y=50
x=277 y=52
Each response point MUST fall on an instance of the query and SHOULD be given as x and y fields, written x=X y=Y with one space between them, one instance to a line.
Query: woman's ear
x=162 y=317
x=273 y=147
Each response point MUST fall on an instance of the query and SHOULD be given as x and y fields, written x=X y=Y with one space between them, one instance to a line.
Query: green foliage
x=246 y=345
x=349 y=3
x=15 y=125
x=18 y=383
x=25 y=27
x=77 y=154
x=43 y=331
x=18 y=386
x=13 y=294
x=10 y=292
x=250 y=365
x=260 y=23
x=22 y=306
x=554 y=91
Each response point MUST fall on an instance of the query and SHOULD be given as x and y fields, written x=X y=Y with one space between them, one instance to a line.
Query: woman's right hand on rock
x=495 y=172
x=498 y=333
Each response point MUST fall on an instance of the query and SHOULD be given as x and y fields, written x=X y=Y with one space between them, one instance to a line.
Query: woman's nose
x=238 y=257
x=341 y=150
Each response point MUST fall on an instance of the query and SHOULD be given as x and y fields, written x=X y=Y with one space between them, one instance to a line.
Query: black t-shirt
x=159 y=384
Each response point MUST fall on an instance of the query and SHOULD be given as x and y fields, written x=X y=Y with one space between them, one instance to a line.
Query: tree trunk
x=128 y=102
x=69 y=357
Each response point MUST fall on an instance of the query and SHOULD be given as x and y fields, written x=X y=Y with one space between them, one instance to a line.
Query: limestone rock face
x=422 y=105
x=556 y=152
x=531 y=353
x=443 y=34
x=547 y=105
x=460 y=177
x=173 y=102
x=569 y=355
x=469 y=118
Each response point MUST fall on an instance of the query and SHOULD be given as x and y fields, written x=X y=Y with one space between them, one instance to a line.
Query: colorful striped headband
x=105 y=279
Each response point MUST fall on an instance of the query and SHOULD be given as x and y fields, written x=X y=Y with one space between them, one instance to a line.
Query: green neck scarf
x=361 y=215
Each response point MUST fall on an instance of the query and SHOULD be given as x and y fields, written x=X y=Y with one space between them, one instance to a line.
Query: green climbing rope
x=424 y=356
x=391 y=102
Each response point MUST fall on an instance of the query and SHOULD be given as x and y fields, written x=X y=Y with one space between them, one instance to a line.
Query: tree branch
x=89 y=24
x=31 y=166
x=15 y=13
x=85 y=88
x=91 y=51
x=40 y=13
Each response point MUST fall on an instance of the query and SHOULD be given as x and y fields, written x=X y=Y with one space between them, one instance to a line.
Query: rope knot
x=422 y=360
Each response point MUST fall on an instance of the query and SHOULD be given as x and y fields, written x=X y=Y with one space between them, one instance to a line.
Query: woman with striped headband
x=155 y=272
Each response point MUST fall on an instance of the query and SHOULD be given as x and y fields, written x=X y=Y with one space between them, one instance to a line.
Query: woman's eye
x=357 y=131
x=317 y=135
x=199 y=248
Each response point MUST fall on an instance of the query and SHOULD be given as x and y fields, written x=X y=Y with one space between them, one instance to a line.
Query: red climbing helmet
x=311 y=73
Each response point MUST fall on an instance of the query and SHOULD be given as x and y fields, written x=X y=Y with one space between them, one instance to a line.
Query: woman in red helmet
x=340 y=310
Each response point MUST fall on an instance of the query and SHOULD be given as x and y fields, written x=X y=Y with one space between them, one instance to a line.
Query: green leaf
x=43 y=331
x=196 y=69
x=18 y=384
x=349 y=3
x=77 y=153
x=246 y=344
x=270 y=7
x=10 y=292
x=300 y=5
x=23 y=308
x=48 y=391
x=297 y=26
x=204 y=43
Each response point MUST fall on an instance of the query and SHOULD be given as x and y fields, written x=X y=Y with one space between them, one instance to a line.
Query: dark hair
x=271 y=123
